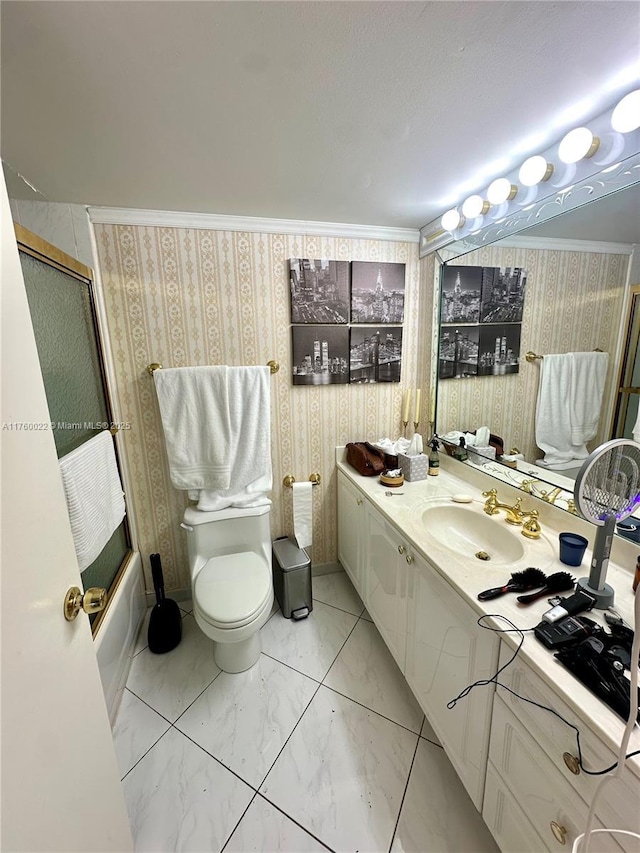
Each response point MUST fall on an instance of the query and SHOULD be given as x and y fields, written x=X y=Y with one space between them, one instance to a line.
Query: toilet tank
x=228 y=531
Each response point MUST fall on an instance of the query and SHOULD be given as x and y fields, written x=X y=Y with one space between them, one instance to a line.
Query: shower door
x=61 y=303
x=628 y=399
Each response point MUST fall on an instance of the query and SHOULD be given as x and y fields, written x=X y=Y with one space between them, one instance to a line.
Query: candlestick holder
x=416 y=424
x=405 y=424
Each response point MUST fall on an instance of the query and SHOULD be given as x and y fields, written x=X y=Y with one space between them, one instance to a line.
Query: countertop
x=469 y=576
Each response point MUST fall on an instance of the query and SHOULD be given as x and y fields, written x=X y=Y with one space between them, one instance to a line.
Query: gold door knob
x=559 y=832
x=572 y=763
x=93 y=600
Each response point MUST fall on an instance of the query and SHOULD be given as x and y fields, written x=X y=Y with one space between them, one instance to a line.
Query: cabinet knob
x=359 y=501
x=559 y=832
x=401 y=549
x=409 y=559
x=572 y=762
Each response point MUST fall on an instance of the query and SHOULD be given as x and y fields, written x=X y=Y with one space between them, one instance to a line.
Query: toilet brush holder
x=165 y=622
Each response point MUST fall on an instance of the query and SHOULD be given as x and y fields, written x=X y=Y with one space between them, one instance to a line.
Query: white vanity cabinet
x=389 y=557
x=447 y=651
x=351 y=533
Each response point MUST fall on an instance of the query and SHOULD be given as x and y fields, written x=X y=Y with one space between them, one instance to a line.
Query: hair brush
x=530 y=578
x=558 y=582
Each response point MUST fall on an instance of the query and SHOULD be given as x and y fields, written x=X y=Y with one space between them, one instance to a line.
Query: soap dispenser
x=460 y=452
x=434 y=460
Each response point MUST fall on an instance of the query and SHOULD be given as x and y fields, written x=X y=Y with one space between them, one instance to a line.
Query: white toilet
x=231 y=580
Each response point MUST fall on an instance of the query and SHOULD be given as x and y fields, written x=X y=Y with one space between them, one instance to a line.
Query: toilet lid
x=230 y=589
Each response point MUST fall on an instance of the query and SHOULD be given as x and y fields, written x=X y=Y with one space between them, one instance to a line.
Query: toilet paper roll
x=302 y=522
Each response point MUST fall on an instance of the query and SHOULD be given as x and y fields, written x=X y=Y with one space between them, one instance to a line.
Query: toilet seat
x=231 y=590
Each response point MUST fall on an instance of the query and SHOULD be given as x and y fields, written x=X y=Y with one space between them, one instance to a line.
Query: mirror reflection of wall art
x=377 y=292
x=499 y=349
x=502 y=298
x=319 y=291
x=460 y=295
x=458 y=352
x=320 y=355
x=375 y=354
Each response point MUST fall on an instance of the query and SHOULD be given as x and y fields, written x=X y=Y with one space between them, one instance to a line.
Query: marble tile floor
x=320 y=746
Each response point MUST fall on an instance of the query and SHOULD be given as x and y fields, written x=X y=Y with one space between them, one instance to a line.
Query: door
x=60 y=781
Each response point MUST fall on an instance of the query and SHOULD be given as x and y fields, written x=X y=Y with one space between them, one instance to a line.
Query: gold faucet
x=514 y=514
x=550 y=497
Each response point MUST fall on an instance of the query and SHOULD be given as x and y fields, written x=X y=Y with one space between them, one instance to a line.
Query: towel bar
x=531 y=356
x=314 y=479
x=273 y=366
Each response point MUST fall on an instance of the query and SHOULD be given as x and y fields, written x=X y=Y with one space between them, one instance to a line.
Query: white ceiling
x=378 y=113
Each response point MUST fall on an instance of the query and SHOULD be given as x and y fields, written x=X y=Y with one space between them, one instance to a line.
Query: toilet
x=231 y=580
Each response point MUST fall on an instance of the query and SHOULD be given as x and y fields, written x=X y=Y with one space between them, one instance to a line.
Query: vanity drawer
x=619 y=803
x=508 y=823
x=550 y=803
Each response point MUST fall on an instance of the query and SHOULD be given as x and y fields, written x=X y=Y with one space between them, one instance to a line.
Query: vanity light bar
x=581 y=153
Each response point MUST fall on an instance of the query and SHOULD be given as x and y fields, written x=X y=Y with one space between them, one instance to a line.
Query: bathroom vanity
x=411 y=557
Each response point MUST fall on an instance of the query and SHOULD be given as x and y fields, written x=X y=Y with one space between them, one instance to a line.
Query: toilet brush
x=165 y=622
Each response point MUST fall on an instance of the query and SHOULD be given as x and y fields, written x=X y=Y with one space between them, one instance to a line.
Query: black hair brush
x=557 y=582
x=530 y=578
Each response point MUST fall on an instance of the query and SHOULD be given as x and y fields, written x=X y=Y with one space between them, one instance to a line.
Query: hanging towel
x=553 y=428
x=636 y=428
x=251 y=475
x=588 y=374
x=194 y=407
x=94 y=496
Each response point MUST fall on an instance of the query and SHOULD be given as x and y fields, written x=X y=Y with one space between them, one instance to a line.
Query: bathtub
x=116 y=637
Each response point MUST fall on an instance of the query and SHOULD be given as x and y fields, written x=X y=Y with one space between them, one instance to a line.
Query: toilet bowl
x=231 y=580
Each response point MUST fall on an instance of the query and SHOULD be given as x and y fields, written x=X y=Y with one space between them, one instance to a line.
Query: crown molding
x=219 y=222
x=559 y=244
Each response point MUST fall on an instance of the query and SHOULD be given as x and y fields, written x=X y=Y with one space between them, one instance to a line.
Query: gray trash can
x=292 y=579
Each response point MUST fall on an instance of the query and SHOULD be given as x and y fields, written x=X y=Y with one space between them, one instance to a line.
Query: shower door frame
x=627 y=362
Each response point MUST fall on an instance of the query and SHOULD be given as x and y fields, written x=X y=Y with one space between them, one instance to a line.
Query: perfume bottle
x=460 y=452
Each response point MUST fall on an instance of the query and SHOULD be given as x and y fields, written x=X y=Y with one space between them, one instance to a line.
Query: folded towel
x=93 y=491
x=251 y=474
x=194 y=407
x=588 y=374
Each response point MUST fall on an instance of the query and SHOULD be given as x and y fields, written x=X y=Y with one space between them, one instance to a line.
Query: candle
x=406 y=406
x=432 y=407
x=416 y=418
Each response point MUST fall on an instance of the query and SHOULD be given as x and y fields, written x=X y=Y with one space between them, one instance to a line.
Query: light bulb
x=626 y=115
x=501 y=190
x=535 y=170
x=578 y=144
x=451 y=220
x=474 y=206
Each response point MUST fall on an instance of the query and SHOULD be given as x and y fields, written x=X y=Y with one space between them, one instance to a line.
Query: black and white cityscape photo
x=375 y=355
x=319 y=291
x=458 y=352
x=499 y=349
x=320 y=355
x=460 y=295
x=502 y=298
x=377 y=292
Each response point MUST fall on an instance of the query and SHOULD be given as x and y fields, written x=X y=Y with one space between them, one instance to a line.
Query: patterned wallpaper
x=573 y=303
x=183 y=296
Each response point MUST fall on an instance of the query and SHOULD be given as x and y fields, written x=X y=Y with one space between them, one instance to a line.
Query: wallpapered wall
x=192 y=297
x=573 y=303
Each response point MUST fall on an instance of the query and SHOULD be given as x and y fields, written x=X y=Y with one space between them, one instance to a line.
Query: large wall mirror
x=579 y=298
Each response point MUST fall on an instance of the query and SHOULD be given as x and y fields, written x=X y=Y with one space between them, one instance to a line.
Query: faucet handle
x=491 y=493
x=531 y=528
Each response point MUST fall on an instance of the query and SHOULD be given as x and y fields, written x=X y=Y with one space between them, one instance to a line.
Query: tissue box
x=481 y=455
x=414 y=467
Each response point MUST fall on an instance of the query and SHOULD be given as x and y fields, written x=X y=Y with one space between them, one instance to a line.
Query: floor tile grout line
x=184 y=711
x=218 y=760
x=346 y=640
x=293 y=820
x=239 y=822
x=342 y=609
x=155 y=743
x=148 y=704
x=288 y=665
x=432 y=742
x=404 y=793
x=372 y=710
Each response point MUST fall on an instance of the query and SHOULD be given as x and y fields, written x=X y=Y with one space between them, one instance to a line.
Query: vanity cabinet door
x=351 y=520
x=388 y=559
x=446 y=652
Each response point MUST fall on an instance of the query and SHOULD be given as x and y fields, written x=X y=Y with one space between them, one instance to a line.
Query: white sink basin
x=471 y=533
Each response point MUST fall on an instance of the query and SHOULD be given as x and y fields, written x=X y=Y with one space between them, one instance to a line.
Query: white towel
x=93 y=491
x=636 y=428
x=553 y=427
x=588 y=374
x=251 y=474
x=194 y=407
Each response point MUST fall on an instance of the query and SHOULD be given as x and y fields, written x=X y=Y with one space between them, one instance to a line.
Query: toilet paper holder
x=314 y=479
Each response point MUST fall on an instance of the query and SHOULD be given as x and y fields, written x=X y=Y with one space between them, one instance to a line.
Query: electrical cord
x=494 y=680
